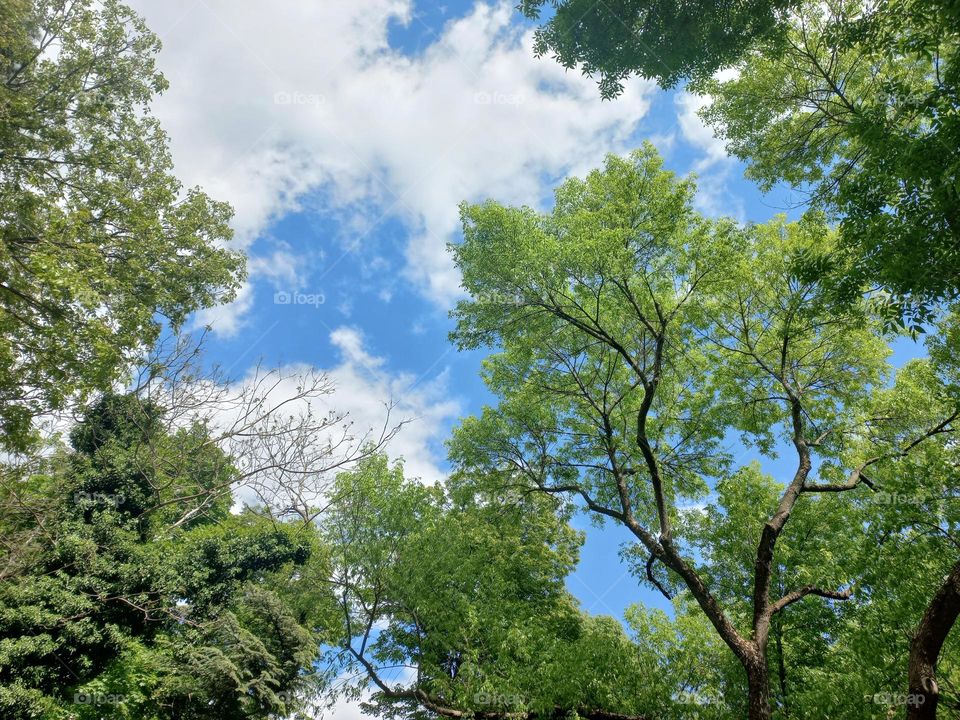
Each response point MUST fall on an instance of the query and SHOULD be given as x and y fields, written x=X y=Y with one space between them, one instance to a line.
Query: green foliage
x=695 y=674
x=99 y=244
x=860 y=108
x=132 y=605
x=125 y=460
x=852 y=102
x=664 y=40
x=634 y=340
x=623 y=241
x=466 y=588
x=583 y=288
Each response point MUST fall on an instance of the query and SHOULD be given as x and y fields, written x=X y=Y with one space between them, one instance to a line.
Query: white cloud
x=714 y=196
x=696 y=132
x=350 y=343
x=345 y=710
x=230 y=318
x=266 y=105
x=282 y=267
x=364 y=386
x=285 y=272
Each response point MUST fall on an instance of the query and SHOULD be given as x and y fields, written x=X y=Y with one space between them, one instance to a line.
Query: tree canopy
x=859 y=109
x=465 y=589
x=99 y=243
x=665 y=40
x=122 y=610
x=193 y=548
x=854 y=104
x=634 y=337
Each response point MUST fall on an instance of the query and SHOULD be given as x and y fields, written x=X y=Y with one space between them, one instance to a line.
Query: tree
x=276 y=426
x=123 y=610
x=664 y=40
x=635 y=336
x=894 y=535
x=125 y=578
x=462 y=592
x=280 y=445
x=851 y=102
x=928 y=517
x=937 y=621
x=897 y=539
x=99 y=245
x=858 y=107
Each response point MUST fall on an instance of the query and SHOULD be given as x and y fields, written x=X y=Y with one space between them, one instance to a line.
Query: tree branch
x=792 y=597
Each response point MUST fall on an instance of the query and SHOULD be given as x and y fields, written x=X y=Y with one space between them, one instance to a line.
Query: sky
x=345 y=134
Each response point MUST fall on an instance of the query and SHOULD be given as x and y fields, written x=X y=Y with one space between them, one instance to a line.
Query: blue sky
x=345 y=134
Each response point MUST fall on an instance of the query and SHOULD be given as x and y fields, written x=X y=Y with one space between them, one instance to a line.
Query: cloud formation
x=267 y=106
x=715 y=196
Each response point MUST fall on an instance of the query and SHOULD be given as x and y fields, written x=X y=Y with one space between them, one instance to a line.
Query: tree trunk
x=758 y=684
x=937 y=620
x=781 y=667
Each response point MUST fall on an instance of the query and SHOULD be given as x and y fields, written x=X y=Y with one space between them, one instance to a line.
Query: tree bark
x=781 y=667
x=758 y=687
x=925 y=647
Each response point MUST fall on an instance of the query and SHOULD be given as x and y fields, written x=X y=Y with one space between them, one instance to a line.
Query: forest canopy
x=732 y=397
